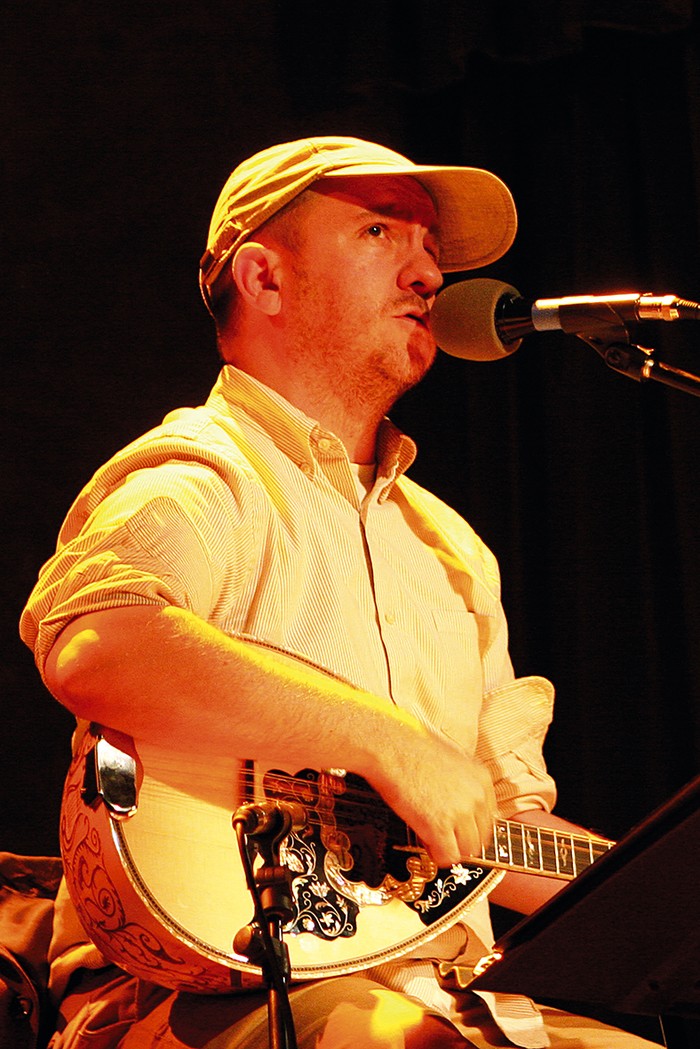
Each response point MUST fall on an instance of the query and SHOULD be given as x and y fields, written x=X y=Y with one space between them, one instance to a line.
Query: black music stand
x=625 y=934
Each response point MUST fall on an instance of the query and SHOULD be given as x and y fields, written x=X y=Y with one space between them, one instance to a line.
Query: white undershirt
x=364 y=475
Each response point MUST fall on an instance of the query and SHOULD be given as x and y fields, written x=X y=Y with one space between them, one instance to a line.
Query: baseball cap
x=477 y=217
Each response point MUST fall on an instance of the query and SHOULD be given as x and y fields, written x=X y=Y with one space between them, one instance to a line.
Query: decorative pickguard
x=355 y=853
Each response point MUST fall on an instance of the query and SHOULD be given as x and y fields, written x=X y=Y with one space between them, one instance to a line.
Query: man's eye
x=376 y=230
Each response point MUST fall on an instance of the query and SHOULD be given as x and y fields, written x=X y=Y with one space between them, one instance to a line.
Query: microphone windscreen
x=463 y=319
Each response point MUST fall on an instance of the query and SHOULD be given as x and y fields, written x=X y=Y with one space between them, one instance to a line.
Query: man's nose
x=421 y=273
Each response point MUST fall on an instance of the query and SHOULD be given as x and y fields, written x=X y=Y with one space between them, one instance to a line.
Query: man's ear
x=256 y=272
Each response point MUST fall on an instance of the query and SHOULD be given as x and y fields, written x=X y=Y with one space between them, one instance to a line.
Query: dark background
x=124 y=120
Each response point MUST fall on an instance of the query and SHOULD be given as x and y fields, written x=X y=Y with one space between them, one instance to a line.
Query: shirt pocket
x=461 y=682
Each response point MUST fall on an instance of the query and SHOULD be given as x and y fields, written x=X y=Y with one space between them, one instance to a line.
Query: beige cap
x=477 y=218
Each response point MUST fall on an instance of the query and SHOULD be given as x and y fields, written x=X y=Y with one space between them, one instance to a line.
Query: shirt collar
x=300 y=437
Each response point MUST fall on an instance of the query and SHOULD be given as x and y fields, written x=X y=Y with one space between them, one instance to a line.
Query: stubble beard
x=363 y=380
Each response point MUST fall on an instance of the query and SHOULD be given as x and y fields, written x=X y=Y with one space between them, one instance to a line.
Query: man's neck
x=339 y=411
x=351 y=424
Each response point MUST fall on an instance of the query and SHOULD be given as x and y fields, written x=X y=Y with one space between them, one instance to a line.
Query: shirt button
x=306 y=468
x=390 y=618
x=325 y=444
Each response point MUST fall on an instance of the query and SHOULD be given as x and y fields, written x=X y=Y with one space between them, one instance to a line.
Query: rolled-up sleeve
x=512 y=729
x=167 y=535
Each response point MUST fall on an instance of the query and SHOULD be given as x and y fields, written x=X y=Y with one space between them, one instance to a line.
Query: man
x=281 y=511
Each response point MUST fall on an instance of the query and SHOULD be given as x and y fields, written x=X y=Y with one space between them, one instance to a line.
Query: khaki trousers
x=110 y=1010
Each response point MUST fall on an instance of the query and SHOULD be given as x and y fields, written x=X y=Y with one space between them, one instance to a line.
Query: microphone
x=485 y=320
x=266 y=817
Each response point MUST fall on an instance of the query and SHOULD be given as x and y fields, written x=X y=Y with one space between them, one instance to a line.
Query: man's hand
x=446 y=797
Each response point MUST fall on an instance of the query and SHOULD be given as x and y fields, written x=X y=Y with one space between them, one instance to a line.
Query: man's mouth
x=421 y=317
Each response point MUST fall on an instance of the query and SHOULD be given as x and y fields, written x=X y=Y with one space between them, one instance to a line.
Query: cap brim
x=476 y=212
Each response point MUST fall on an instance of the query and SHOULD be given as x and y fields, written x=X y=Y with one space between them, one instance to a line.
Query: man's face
x=362 y=279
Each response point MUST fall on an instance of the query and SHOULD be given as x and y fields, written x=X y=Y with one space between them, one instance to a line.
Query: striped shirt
x=249 y=514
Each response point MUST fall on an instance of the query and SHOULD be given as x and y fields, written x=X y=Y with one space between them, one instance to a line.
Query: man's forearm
x=162 y=674
x=165 y=676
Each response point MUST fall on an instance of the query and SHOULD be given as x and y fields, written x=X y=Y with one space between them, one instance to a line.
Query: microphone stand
x=261 y=941
x=638 y=363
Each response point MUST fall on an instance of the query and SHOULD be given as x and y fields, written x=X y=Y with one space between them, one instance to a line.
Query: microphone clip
x=639 y=363
x=620 y=354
